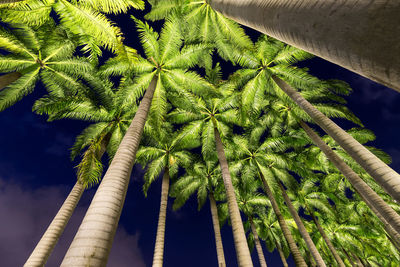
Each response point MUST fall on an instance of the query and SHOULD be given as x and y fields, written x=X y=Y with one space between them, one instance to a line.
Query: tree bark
x=92 y=243
x=327 y=241
x=346 y=32
x=260 y=252
x=306 y=236
x=242 y=249
x=217 y=231
x=373 y=200
x=7 y=79
x=159 y=246
x=281 y=254
x=298 y=259
x=382 y=173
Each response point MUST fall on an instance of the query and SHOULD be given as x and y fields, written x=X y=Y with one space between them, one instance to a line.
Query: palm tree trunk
x=159 y=247
x=8 y=78
x=298 y=259
x=260 y=252
x=92 y=243
x=242 y=249
x=358 y=261
x=217 y=231
x=306 y=236
x=349 y=258
x=357 y=31
x=366 y=193
x=325 y=237
x=281 y=254
x=382 y=173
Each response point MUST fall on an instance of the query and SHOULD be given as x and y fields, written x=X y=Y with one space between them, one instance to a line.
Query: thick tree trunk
x=327 y=241
x=260 y=252
x=346 y=32
x=242 y=249
x=159 y=246
x=281 y=254
x=217 y=231
x=371 y=198
x=298 y=259
x=382 y=173
x=7 y=79
x=306 y=236
x=92 y=243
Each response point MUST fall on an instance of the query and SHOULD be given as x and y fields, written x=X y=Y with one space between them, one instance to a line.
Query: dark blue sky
x=36 y=175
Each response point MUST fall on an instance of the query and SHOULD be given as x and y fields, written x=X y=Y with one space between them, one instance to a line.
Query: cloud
x=26 y=214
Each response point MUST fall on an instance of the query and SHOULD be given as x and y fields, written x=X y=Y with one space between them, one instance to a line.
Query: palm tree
x=205 y=178
x=163 y=152
x=164 y=69
x=283 y=19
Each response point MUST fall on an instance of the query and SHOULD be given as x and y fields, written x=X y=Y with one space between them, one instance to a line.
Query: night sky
x=36 y=175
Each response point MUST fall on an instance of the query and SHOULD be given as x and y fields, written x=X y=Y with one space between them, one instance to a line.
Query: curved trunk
x=92 y=243
x=327 y=241
x=8 y=78
x=348 y=33
x=382 y=173
x=242 y=249
x=306 y=236
x=159 y=246
x=281 y=254
x=260 y=252
x=298 y=259
x=50 y=238
x=373 y=200
x=217 y=231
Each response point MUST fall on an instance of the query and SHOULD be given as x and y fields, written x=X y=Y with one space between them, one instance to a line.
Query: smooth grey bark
x=382 y=173
x=361 y=36
x=7 y=79
x=281 y=254
x=372 y=199
x=298 y=258
x=260 y=252
x=242 y=249
x=217 y=231
x=306 y=236
x=159 y=246
x=325 y=237
x=92 y=243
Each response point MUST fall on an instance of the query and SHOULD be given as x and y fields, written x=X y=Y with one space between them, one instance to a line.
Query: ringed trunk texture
x=306 y=236
x=50 y=238
x=346 y=32
x=260 y=252
x=8 y=78
x=281 y=254
x=92 y=243
x=382 y=173
x=217 y=231
x=327 y=241
x=298 y=258
x=373 y=200
x=159 y=246
x=242 y=249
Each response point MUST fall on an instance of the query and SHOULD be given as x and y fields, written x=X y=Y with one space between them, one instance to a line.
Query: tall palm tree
x=164 y=69
x=334 y=31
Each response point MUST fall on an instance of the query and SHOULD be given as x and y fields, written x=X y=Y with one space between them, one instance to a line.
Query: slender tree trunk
x=260 y=252
x=306 y=236
x=217 y=231
x=327 y=241
x=8 y=78
x=346 y=32
x=92 y=243
x=281 y=254
x=349 y=258
x=358 y=261
x=371 y=197
x=159 y=246
x=298 y=259
x=242 y=249
x=382 y=173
